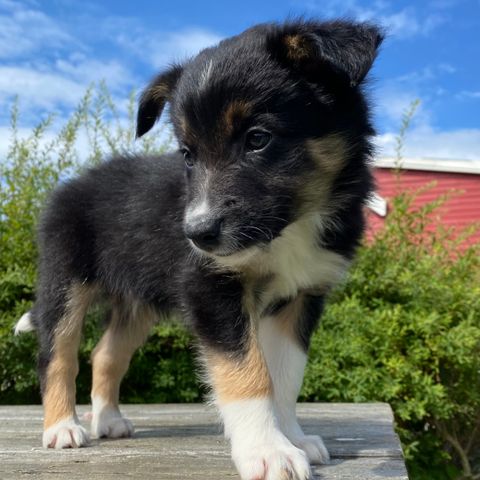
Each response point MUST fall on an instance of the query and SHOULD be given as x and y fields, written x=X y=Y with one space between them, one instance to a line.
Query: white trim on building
x=431 y=164
x=377 y=204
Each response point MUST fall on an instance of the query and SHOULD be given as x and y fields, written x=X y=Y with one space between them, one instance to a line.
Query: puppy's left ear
x=154 y=97
x=345 y=49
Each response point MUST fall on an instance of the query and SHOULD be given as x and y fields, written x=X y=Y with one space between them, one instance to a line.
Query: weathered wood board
x=185 y=442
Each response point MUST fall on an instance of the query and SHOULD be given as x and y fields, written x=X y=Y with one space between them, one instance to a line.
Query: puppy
x=243 y=231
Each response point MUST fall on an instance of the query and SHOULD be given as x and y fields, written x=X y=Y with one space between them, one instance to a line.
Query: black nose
x=204 y=233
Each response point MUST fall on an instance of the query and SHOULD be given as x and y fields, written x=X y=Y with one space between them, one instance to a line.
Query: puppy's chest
x=296 y=262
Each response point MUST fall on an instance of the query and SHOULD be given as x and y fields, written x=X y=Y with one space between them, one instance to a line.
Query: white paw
x=67 y=433
x=110 y=423
x=314 y=447
x=277 y=460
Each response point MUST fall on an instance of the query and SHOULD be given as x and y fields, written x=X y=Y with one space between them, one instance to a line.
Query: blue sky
x=51 y=50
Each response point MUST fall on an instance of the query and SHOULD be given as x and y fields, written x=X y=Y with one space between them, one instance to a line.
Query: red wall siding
x=460 y=211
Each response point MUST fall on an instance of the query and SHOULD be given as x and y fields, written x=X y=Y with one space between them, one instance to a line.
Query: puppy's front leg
x=243 y=394
x=242 y=385
x=284 y=339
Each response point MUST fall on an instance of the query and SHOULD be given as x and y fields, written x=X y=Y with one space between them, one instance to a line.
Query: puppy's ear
x=154 y=97
x=343 y=48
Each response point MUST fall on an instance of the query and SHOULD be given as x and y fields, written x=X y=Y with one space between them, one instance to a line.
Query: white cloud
x=425 y=75
x=160 y=49
x=395 y=95
x=443 y=4
x=425 y=141
x=180 y=45
x=407 y=23
x=58 y=82
x=161 y=135
x=24 y=30
x=467 y=94
x=46 y=82
x=393 y=102
x=50 y=70
x=400 y=24
x=44 y=89
x=88 y=70
x=446 y=68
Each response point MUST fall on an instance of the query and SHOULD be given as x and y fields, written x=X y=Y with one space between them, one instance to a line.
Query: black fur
x=152 y=102
x=120 y=226
x=312 y=310
x=276 y=306
x=213 y=302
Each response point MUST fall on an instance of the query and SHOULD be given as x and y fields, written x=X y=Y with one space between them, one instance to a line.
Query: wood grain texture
x=185 y=442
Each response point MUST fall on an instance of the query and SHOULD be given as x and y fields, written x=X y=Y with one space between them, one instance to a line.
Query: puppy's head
x=266 y=122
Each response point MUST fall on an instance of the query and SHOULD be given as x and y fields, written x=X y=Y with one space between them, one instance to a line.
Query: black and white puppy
x=244 y=231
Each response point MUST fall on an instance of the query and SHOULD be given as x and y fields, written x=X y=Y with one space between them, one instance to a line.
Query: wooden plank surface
x=185 y=442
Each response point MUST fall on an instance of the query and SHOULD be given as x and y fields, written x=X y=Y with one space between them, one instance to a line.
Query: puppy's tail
x=24 y=324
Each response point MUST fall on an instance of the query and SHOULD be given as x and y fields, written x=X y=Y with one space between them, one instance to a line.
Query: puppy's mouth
x=232 y=257
x=225 y=247
x=228 y=244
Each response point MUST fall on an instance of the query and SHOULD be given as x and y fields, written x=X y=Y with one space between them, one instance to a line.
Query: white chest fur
x=298 y=262
x=294 y=261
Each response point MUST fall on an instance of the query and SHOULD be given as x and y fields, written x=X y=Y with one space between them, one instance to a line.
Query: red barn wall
x=461 y=210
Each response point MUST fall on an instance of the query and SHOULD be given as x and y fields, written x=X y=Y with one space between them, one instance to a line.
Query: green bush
x=404 y=328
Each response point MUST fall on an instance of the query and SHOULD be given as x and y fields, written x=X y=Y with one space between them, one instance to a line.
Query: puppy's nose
x=204 y=232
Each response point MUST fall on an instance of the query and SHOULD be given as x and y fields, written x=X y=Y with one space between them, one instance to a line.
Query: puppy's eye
x=187 y=155
x=257 y=139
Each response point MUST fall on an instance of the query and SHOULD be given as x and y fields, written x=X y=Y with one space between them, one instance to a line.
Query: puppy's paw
x=278 y=460
x=67 y=433
x=110 y=423
x=314 y=447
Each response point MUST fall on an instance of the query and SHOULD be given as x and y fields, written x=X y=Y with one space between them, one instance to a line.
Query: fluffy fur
x=244 y=231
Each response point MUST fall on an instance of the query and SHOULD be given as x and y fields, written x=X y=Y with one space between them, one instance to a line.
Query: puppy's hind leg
x=129 y=325
x=58 y=315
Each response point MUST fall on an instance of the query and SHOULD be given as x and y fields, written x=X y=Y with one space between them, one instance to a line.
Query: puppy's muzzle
x=205 y=232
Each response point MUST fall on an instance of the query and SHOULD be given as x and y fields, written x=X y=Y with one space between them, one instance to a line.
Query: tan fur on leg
x=236 y=379
x=243 y=392
x=128 y=329
x=59 y=390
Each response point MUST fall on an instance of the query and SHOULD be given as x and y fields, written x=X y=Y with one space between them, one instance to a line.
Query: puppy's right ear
x=154 y=97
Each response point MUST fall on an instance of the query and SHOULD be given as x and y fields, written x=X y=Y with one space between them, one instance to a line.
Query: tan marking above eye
x=183 y=125
x=189 y=135
x=235 y=112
